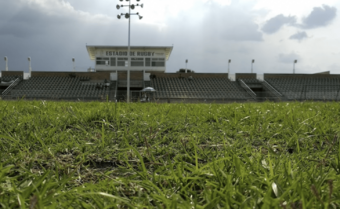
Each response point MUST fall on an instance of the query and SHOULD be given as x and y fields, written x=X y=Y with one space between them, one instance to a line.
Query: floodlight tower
x=295 y=61
x=127 y=16
x=186 y=65
x=73 y=60
x=6 y=60
x=29 y=66
x=228 y=66
x=252 y=62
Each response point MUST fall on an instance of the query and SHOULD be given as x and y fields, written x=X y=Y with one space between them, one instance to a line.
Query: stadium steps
x=263 y=90
x=113 y=91
x=14 y=82
x=250 y=92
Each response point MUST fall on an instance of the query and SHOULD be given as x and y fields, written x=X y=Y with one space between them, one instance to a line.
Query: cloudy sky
x=206 y=32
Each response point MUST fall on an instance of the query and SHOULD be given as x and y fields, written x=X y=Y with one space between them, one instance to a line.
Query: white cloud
x=300 y=8
x=288 y=58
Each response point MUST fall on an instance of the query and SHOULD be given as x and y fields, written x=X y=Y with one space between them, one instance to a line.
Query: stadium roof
x=325 y=72
x=91 y=49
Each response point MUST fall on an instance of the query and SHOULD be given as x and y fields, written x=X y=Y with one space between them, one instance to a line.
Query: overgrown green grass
x=108 y=155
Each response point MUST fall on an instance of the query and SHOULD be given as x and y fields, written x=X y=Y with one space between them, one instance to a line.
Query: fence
x=310 y=92
x=226 y=96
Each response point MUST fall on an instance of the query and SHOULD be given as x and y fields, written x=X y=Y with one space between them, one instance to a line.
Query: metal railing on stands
x=246 y=87
x=16 y=81
x=271 y=88
x=190 y=95
x=315 y=93
x=52 y=98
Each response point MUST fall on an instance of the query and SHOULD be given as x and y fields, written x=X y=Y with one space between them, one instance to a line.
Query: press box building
x=144 y=60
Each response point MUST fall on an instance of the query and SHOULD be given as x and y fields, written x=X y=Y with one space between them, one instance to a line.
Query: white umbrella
x=148 y=89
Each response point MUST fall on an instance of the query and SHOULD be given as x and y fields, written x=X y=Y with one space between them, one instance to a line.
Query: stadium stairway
x=261 y=90
x=113 y=91
x=7 y=83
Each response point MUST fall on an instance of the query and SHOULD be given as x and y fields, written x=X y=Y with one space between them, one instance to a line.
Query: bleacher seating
x=72 y=87
x=307 y=88
x=60 y=88
x=197 y=88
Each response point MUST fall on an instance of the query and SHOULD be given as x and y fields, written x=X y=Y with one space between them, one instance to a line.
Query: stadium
x=110 y=78
x=137 y=130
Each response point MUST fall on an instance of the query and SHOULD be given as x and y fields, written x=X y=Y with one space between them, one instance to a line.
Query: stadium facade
x=143 y=58
x=148 y=69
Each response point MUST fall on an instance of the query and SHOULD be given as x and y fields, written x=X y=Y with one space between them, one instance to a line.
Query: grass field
x=117 y=155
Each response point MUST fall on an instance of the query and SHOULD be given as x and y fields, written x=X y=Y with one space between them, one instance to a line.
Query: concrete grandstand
x=170 y=87
x=116 y=72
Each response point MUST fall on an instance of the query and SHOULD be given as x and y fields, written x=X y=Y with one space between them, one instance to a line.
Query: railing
x=11 y=86
x=180 y=96
x=187 y=95
x=266 y=84
x=246 y=87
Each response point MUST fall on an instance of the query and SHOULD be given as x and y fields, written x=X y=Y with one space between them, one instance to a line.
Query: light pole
x=252 y=65
x=228 y=67
x=29 y=66
x=127 y=16
x=186 y=65
x=295 y=61
x=73 y=60
x=6 y=60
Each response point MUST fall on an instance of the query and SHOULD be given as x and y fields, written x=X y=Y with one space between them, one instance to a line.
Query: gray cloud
x=288 y=58
x=319 y=17
x=275 y=23
x=28 y=21
x=52 y=38
x=299 y=36
x=208 y=35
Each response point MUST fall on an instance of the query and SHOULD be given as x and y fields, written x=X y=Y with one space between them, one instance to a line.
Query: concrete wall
x=292 y=76
x=245 y=75
x=12 y=73
x=103 y=68
x=113 y=76
x=194 y=75
x=134 y=75
x=147 y=76
x=92 y=75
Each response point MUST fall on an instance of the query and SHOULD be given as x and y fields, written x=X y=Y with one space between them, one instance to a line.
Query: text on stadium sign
x=124 y=53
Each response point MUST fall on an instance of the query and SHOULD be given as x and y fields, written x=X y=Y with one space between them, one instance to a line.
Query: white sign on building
x=143 y=58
